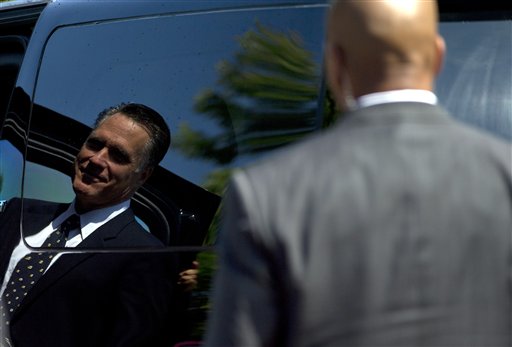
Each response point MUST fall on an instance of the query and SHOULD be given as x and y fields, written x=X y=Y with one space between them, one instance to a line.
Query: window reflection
x=11 y=164
x=176 y=67
x=165 y=62
x=188 y=73
x=54 y=187
x=475 y=83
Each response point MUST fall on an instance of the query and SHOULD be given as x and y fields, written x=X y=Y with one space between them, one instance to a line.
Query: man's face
x=106 y=168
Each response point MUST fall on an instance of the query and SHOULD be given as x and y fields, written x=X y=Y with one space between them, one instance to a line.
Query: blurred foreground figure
x=394 y=228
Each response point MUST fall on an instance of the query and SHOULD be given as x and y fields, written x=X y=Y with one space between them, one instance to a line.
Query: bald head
x=379 y=45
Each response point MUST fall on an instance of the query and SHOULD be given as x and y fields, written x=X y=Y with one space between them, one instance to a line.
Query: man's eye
x=94 y=145
x=119 y=157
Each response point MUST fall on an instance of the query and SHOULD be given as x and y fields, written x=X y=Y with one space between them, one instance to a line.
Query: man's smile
x=91 y=177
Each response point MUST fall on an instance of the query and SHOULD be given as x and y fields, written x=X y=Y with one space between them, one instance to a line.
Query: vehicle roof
x=445 y=5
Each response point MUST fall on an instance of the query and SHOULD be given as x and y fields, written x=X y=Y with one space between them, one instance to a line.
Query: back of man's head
x=382 y=45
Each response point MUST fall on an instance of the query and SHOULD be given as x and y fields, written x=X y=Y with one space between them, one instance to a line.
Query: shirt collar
x=94 y=219
x=403 y=95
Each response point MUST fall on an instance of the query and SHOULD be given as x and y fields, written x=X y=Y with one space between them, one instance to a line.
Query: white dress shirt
x=403 y=95
x=89 y=222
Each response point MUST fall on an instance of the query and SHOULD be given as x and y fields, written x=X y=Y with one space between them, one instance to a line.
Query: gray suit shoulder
x=486 y=146
x=356 y=155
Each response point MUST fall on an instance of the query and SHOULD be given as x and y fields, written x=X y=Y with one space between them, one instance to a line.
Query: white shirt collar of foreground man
x=404 y=95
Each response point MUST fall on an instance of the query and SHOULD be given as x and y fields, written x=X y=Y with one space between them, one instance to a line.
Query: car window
x=232 y=85
x=476 y=80
x=11 y=164
x=167 y=62
x=238 y=85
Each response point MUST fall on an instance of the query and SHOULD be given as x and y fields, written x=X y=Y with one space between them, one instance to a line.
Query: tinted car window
x=233 y=85
x=194 y=76
x=165 y=62
x=11 y=164
x=476 y=81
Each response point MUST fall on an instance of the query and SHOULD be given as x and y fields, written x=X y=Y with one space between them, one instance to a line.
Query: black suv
x=234 y=80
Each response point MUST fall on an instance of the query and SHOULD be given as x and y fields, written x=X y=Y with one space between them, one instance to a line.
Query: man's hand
x=188 y=278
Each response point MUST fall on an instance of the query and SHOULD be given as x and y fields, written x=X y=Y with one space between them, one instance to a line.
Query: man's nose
x=100 y=157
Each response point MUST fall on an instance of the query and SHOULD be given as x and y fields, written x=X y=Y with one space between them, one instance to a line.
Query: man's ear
x=440 y=54
x=333 y=69
x=145 y=175
x=337 y=76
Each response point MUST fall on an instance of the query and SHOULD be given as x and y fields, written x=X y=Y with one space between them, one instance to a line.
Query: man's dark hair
x=151 y=121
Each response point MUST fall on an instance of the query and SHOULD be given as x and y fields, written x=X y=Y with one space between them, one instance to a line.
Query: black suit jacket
x=88 y=299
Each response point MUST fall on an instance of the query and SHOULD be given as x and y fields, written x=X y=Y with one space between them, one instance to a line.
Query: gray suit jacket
x=392 y=229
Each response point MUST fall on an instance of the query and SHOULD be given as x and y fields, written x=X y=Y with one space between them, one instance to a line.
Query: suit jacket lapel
x=102 y=237
x=35 y=222
x=10 y=218
x=105 y=236
x=36 y=216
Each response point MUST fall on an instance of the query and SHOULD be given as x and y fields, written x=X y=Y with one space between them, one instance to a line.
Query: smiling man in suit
x=393 y=228
x=91 y=298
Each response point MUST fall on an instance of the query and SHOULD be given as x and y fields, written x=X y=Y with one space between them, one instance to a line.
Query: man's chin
x=83 y=188
x=85 y=199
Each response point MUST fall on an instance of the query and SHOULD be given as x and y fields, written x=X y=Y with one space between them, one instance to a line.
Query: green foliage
x=200 y=300
x=273 y=69
x=266 y=97
x=331 y=112
x=195 y=144
x=216 y=182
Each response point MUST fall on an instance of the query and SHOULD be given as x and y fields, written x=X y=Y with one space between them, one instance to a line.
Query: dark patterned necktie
x=31 y=267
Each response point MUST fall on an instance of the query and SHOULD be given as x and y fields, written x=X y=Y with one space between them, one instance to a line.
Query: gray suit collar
x=397 y=113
